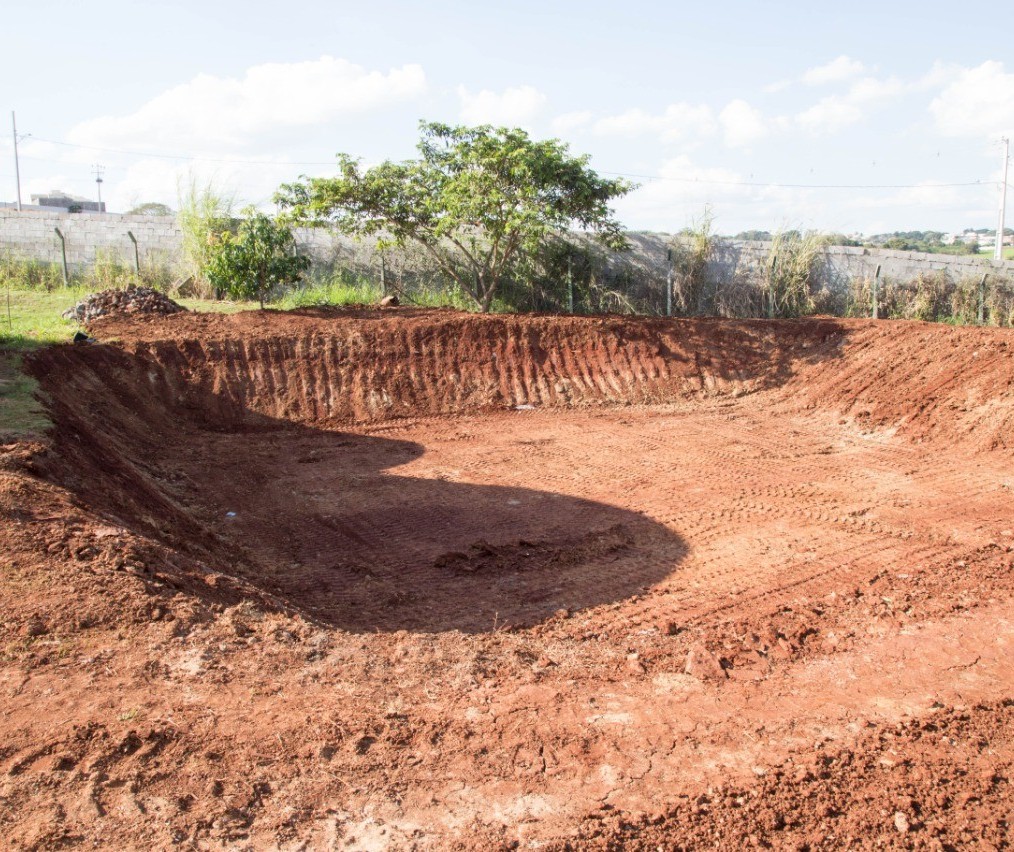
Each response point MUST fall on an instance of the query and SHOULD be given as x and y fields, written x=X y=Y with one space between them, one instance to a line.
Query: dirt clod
x=703 y=664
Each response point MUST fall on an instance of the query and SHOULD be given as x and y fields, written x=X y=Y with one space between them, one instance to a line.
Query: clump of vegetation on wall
x=205 y=215
x=27 y=274
x=792 y=263
x=690 y=251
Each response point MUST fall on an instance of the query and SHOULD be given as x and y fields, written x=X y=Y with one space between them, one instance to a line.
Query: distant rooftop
x=60 y=200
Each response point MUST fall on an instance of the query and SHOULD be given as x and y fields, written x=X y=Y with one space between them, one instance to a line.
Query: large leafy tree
x=260 y=255
x=476 y=198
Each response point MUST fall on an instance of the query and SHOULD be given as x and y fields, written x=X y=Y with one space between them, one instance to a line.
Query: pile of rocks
x=133 y=300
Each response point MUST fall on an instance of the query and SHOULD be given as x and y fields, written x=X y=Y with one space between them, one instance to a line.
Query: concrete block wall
x=31 y=235
x=841 y=264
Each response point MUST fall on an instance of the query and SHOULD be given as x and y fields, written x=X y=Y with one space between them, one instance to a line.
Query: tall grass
x=205 y=213
x=691 y=250
x=791 y=266
x=109 y=271
x=338 y=290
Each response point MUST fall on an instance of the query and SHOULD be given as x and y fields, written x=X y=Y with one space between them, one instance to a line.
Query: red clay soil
x=425 y=580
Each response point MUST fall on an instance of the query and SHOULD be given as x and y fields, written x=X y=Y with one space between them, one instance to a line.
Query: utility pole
x=17 y=168
x=998 y=251
x=98 y=183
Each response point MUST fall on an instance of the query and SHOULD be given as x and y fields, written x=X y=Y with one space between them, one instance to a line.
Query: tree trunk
x=485 y=292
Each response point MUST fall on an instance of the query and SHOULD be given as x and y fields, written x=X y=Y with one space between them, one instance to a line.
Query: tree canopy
x=475 y=199
x=151 y=208
x=260 y=255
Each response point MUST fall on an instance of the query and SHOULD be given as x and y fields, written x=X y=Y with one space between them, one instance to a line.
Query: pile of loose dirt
x=929 y=783
x=131 y=300
x=424 y=580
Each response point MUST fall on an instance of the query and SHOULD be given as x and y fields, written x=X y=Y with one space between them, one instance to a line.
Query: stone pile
x=132 y=300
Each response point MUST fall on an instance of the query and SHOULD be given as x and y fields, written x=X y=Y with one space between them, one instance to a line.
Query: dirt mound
x=424 y=580
x=131 y=300
x=918 y=784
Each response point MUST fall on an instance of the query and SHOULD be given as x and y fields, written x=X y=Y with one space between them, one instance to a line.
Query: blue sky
x=864 y=117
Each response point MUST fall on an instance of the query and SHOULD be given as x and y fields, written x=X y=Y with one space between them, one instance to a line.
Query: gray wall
x=31 y=235
x=845 y=263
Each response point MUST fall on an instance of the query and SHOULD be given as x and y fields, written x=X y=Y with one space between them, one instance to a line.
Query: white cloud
x=210 y=112
x=836 y=112
x=685 y=188
x=829 y=115
x=922 y=196
x=978 y=102
x=835 y=71
x=742 y=124
x=515 y=106
x=871 y=89
x=678 y=121
x=571 y=121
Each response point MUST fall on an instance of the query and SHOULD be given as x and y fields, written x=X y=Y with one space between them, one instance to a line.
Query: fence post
x=570 y=284
x=771 y=286
x=63 y=251
x=982 y=299
x=669 y=285
x=137 y=257
x=876 y=288
x=383 y=275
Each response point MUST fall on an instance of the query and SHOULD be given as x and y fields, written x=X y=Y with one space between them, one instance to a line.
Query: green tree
x=151 y=208
x=260 y=255
x=476 y=199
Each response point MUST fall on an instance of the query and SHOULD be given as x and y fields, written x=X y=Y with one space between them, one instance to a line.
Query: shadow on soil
x=327 y=523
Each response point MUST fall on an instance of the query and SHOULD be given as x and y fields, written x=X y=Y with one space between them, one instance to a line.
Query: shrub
x=259 y=256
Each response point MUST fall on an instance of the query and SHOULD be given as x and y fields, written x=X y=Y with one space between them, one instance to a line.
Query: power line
x=163 y=156
x=799 y=185
x=754 y=184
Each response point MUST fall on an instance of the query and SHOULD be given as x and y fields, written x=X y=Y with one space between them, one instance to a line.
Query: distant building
x=57 y=199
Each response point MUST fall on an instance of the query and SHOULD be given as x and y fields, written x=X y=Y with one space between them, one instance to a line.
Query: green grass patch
x=323 y=292
x=30 y=318
x=1008 y=253
x=20 y=413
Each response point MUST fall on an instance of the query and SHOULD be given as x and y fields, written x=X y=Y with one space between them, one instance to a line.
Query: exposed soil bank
x=413 y=579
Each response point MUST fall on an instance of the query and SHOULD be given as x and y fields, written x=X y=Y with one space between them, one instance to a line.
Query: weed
x=691 y=250
x=792 y=262
x=342 y=289
x=204 y=214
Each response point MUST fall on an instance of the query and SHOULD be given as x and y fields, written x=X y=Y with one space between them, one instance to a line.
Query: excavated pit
x=434 y=471
x=425 y=580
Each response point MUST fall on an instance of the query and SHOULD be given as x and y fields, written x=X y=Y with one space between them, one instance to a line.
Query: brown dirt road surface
x=424 y=580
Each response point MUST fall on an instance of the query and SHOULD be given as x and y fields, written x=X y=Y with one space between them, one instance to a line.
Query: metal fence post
x=63 y=251
x=570 y=284
x=876 y=288
x=137 y=257
x=669 y=285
